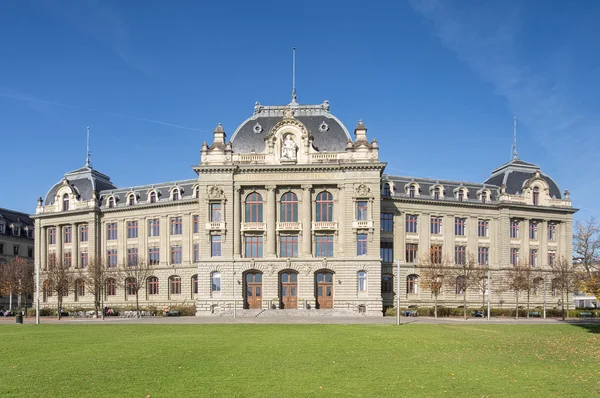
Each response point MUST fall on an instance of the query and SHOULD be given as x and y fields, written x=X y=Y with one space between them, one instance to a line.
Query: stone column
x=543 y=248
x=306 y=221
x=524 y=252
x=236 y=222
x=271 y=222
x=59 y=244
x=43 y=247
x=75 y=245
x=165 y=233
x=340 y=213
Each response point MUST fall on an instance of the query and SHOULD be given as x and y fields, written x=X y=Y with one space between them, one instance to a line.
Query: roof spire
x=293 y=76
x=88 y=154
x=514 y=147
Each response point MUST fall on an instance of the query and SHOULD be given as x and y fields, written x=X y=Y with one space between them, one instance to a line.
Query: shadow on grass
x=592 y=326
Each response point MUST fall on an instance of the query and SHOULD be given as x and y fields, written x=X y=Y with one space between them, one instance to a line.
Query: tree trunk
x=562 y=304
x=59 y=305
x=137 y=303
x=465 y=302
x=517 y=305
x=567 y=293
x=435 y=305
x=528 y=304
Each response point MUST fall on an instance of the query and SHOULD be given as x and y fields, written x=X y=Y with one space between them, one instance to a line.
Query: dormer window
x=131 y=200
x=461 y=195
x=196 y=192
x=175 y=194
x=2 y=227
x=536 y=196
x=16 y=230
x=386 y=189
x=111 y=202
x=411 y=191
x=66 y=202
x=152 y=197
x=484 y=197
x=436 y=193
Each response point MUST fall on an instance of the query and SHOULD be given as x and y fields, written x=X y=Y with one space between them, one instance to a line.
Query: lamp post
x=489 y=289
x=398 y=296
x=37 y=294
x=544 y=298
x=234 y=295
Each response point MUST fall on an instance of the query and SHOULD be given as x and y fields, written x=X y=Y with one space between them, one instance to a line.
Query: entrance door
x=254 y=290
x=324 y=290
x=289 y=290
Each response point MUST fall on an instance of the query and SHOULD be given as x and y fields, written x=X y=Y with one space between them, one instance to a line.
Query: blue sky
x=436 y=82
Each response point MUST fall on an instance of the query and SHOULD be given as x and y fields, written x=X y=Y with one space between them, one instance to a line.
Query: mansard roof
x=449 y=187
x=162 y=189
x=329 y=133
x=515 y=173
x=84 y=181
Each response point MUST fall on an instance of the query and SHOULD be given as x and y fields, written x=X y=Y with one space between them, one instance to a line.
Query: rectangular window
x=386 y=251
x=361 y=210
x=533 y=230
x=436 y=254
x=68 y=235
x=483 y=255
x=132 y=230
x=387 y=222
x=154 y=227
x=412 y=252
x=176 y=254
x=51 y=259
x=514 y=256
x=551 y=257
x=84 y=259
x=51 y=236
x=176 y=226
x=196 y=223
x=514 y=229
x=16 y=250
x=412 y=223
x=29 y=252
x=324 y=246
x=132 y=256
x=361 y=244
x=254 y=246
x=83 y=233
x=436 y=225
x=111 y=231
x=196 y=252
x=215 y=212
x=68 y=259
x=459 y=226
x=288 y=246
x=111 y=256
x=153 y=255
x=551 y=231
x=460 y=255
x=215 y=246
x=483 y=228
x=533 y=257
x=175 y=285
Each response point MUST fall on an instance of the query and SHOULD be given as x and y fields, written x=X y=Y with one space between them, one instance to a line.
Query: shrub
x=390 y=311
x=185 y=310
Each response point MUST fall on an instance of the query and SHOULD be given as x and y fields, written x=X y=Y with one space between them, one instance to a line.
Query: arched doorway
x=253 y=292
x=324 y=289
x=288 y=285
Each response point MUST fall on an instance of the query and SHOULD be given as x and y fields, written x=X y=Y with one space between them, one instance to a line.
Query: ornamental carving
x=363 y=190
x=214 y=192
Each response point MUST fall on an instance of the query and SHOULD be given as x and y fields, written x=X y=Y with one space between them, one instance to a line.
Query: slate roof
x=249 y=138
x=449 y=186
x=163 y=190
x=514 y=174
x=85 y=181
x=11 y=216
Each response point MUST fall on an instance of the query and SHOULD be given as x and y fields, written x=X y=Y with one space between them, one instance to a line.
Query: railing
x=324 y=157
x=213 y=225
x=252 y=158
x=289 y=226
x=324 y=225
x=362 y=224
x=253 y=226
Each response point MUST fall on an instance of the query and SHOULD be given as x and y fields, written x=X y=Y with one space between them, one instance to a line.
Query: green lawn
x=299 y=360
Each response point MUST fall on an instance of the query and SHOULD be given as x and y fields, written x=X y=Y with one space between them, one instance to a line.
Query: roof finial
x=514 y=148
x=88 y=161
x=293 y=76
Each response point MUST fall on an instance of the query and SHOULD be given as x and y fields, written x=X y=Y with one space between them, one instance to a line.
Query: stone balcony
x=324 y=226
x=289 y=226
x=215 y=225
x=362 y=224
x=254 y=226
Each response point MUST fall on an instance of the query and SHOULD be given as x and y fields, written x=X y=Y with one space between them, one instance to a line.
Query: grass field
x=299 y=360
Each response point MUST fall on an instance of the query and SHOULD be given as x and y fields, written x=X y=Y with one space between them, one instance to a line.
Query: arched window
x=79 y=289
x=386 y=189
x=196 y=192
x=176 y=194
x=461 y=195
x=484 y=197
x=412 y=286
x=175 y=285
x=152 y=197
x=387 y=284
x=362 y=281
x=288 y=210
x=536 y=196
x=254 y=208
x=130 y=286
x=152 y=285
x=215 y=286
x=555 y=287
x=460 y=284
x=437 y=193
x=111 y=287
x=195 y=284
x=131 y=200
x=66 y=202
x=111 y=202
x=538 y=284
x=412 y=191
x=47 y=290
x=324 y=207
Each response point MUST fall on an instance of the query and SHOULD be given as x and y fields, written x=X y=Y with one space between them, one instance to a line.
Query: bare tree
x=467 y=275
x=94 y=277
x=435 y=270
x=586 y=244
x=516 y=282
x=529 y=279
x=567 y=277
x=135 y=276
x=59 y=278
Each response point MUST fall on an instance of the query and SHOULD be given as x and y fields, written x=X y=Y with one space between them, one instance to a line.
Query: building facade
x=294 y=213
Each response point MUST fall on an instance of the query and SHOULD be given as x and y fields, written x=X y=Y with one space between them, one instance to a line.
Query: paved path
x=300 y=320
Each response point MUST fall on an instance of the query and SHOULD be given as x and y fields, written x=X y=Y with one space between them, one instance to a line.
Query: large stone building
x=16 y=240
x=294 y=212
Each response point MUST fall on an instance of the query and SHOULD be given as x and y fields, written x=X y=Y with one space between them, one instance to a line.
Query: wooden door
x=253 y=290
x=289 y=290
x=324 y=290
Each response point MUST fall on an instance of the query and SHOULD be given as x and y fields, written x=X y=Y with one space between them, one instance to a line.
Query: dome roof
x=329 y=134
x=84 y=181
x=515 y=173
